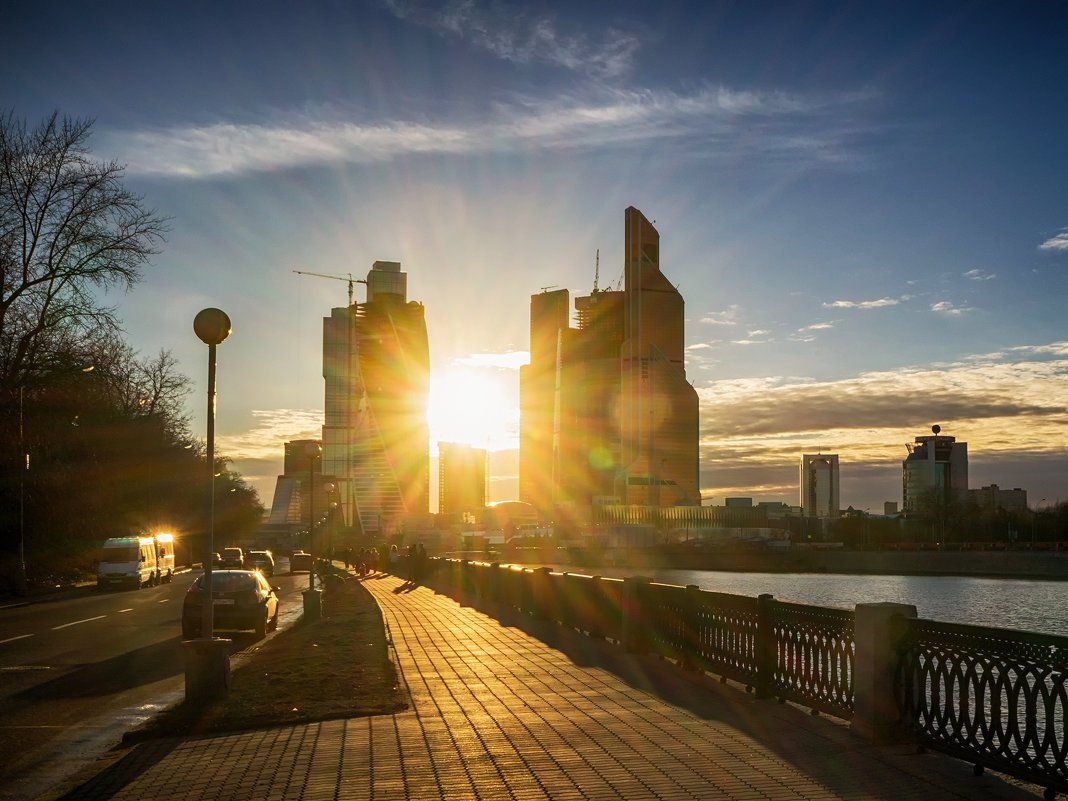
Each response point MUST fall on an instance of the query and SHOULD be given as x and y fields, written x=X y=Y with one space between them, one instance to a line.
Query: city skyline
x=865 y=207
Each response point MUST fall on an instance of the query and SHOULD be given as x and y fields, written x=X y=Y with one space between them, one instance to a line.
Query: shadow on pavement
x=114 y=778
x=824 y=749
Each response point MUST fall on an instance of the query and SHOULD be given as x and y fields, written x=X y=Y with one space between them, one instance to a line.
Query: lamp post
x=207 y=672
x=313 y=602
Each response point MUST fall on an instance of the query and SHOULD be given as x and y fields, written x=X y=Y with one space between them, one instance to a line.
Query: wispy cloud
x=712 y=122
x=517 y=35
x=512 y=360
x=270 y=430
x=728 y=316
x=1058 y=242
x=947 y=308
x=862 y=304
x=979 y=275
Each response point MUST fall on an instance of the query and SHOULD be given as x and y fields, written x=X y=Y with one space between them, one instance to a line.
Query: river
x=1039 y=606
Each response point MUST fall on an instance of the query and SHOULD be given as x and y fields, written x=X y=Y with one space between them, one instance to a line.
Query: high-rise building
x=819 y=485
x=606 y=412
x=461 y=479
x=376 y=366
x=935 y=473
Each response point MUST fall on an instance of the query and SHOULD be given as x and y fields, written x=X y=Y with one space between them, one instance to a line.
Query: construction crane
x=350 y=279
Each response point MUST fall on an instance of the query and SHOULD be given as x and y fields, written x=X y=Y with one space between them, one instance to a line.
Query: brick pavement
x=518 y=710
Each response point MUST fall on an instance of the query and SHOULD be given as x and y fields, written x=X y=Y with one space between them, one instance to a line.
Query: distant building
x=376 y=366
x=889 y=508
x=606 y=411
x=461 y=479
x=292 y=504
x=737 y=503
x=934 y=472
x=992 y=498
x=819 y=485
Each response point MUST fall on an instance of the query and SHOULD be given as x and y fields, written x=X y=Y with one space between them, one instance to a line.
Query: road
x=79 y=670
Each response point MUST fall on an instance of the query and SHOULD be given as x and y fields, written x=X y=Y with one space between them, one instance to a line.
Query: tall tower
x=610 y=397
x=376 y=365
x=461 y=478
x=819 y=485
x=935 y=473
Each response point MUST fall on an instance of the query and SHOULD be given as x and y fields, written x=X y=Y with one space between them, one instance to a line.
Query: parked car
x=262 y=561
x=242 y=600
x=300 y=562
x=233 y=558
x=216 y=559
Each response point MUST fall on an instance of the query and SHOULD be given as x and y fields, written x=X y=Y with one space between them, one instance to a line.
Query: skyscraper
x=606 y=411
x=935 y=473
x=461 y=478
x=819 y=485
x=376 y=368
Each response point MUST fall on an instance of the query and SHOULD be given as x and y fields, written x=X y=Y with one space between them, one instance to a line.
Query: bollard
x=207 y=669
x=875 y=715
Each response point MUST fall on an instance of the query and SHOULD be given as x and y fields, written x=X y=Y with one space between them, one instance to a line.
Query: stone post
x=635 y=615
x=766 y=647
x=875 y=715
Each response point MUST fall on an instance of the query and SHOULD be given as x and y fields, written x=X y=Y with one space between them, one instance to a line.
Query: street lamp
x=207 y=672
x=313 y=602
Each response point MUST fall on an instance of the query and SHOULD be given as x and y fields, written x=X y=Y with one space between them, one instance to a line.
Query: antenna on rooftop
x=596 y=271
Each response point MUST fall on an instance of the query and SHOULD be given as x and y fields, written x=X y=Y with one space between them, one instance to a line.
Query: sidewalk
x=497 y=713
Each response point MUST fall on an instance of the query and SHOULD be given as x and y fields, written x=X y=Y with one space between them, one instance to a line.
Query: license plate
x=223 y=602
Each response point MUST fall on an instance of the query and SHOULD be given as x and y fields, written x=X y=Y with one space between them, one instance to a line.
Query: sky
x=864 y=206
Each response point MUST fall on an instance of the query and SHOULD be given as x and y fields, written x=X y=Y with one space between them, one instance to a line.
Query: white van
x=164 y=557
x=127 y=562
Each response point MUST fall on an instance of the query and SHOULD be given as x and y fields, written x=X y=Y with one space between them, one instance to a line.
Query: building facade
x=993 y=498
x=819 y=485
x=606 y=412
x=934 y=474
x=461 y=479
x=376 y=368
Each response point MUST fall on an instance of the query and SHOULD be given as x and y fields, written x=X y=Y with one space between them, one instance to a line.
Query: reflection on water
x=1040 y=606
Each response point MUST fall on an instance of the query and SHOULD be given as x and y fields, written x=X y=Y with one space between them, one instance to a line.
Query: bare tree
x=69 y=228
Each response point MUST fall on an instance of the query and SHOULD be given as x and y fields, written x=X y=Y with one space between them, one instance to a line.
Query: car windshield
x=127 y=553
x=229 y=582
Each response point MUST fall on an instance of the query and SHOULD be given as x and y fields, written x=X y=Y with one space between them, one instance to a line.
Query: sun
x=473 y=406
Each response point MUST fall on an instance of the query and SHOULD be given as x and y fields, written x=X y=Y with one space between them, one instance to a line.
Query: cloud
x=816 y=327
x=270 y=430
x=511 y=360
x=712 y=122
x=1011 y=407
x=979 y=275
x=728 y=316
x=862 y=304
x=516 y=35
x=1058 y=242
x=947 y=308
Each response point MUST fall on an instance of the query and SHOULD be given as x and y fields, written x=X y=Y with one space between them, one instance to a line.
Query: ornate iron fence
x=814 y=656
x=994 y=697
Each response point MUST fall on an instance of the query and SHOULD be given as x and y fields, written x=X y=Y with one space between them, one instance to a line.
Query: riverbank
x=1043 y=565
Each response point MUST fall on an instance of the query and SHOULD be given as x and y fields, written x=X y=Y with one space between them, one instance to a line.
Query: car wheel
x=261 y=624
x=273 y=624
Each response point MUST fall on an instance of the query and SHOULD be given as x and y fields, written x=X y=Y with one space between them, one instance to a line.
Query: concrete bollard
x=313 y=604
x=875 y=715
x=207 y=669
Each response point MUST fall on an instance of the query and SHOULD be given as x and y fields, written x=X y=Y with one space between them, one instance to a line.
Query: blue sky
x=865 y=206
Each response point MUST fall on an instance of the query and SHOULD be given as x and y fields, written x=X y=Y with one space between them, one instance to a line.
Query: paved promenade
x=519 y=710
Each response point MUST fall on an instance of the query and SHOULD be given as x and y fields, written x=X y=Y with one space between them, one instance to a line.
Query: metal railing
x=994 y=697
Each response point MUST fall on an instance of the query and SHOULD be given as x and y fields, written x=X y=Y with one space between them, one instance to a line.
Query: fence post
x=635 y=617
x=765 y=645
x=691 y=649
x=875 y=712
x=542 y=593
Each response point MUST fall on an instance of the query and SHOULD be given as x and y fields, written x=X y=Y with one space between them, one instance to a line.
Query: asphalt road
x=80 y=669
